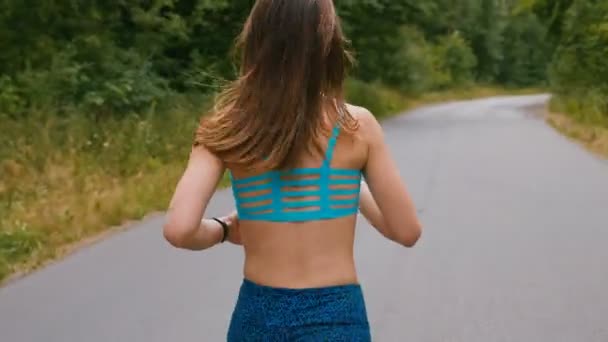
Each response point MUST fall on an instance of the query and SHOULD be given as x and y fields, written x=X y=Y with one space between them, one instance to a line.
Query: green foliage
x=487 y=38
x=551 y=14
x=112 y=56
x=377 y=98
x=11 y=101
x=4 y=268
x=526 y=52
x=375 y=28
x=116 y=57
x=579 y=72
x=411 y=64
x=455 y=62
x=17 y=244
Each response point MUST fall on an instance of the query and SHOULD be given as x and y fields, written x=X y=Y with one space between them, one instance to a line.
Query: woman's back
x=306 y=243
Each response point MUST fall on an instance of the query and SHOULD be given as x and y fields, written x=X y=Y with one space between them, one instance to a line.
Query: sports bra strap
x=331 y=145
x=300 y=194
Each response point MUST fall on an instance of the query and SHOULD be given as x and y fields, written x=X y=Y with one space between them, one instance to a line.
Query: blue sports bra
x=301 y=194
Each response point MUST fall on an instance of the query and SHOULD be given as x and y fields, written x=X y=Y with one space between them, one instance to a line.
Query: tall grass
x=67 y=177
x=588 y=108
x=583 y=117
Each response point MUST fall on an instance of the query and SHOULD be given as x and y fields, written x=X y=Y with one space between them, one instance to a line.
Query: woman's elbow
x=175 y=236
x=410 y=236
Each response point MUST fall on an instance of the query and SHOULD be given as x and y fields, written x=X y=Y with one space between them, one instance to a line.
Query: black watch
x=225 y=227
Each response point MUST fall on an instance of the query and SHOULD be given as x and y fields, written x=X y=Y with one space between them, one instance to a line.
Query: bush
x=419 y=66
x=116 y=82
x=11 y=101
x=454 y=62
x=17 y=245
x=411 y=67
x=105 y=57
x=579 y=72
x=526 y=52
x=377 y=98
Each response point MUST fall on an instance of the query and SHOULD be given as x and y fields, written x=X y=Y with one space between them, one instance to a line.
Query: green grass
x=592 y=136
x=68 y=178
x=582 y=117
x=589 y=109
x=16 y=245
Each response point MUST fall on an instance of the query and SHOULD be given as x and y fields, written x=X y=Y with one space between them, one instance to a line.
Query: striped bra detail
x=301 y=194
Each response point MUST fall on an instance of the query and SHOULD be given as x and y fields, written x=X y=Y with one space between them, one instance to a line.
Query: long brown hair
x=289 y=91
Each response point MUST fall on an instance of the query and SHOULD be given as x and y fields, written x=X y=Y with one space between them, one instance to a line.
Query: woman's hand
x=234 y=230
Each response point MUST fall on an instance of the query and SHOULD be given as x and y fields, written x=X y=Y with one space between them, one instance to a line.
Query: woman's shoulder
x=358 y=111
x=369 y=127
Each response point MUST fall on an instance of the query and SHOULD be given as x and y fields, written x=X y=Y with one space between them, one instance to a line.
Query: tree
x=579 y=72
x=526 y=51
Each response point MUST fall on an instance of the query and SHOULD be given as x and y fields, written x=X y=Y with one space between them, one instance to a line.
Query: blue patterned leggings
x=265 y=313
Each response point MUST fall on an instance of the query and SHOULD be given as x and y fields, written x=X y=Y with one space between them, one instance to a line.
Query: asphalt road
x=515 y=248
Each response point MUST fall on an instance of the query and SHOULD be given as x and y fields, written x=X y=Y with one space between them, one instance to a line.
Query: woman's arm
x=385 y=201
x=369 y=209
x=184 y=226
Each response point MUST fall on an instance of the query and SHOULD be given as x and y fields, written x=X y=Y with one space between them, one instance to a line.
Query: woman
x=296 y=153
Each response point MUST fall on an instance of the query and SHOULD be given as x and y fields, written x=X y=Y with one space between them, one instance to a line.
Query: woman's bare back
x=305 y=254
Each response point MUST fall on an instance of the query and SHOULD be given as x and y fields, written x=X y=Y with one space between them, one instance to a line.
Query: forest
x=99 y=99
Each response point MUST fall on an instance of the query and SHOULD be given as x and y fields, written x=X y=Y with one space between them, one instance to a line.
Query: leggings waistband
x=251 y=287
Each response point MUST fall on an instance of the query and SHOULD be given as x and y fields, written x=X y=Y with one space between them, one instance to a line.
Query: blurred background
x=99 y=99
